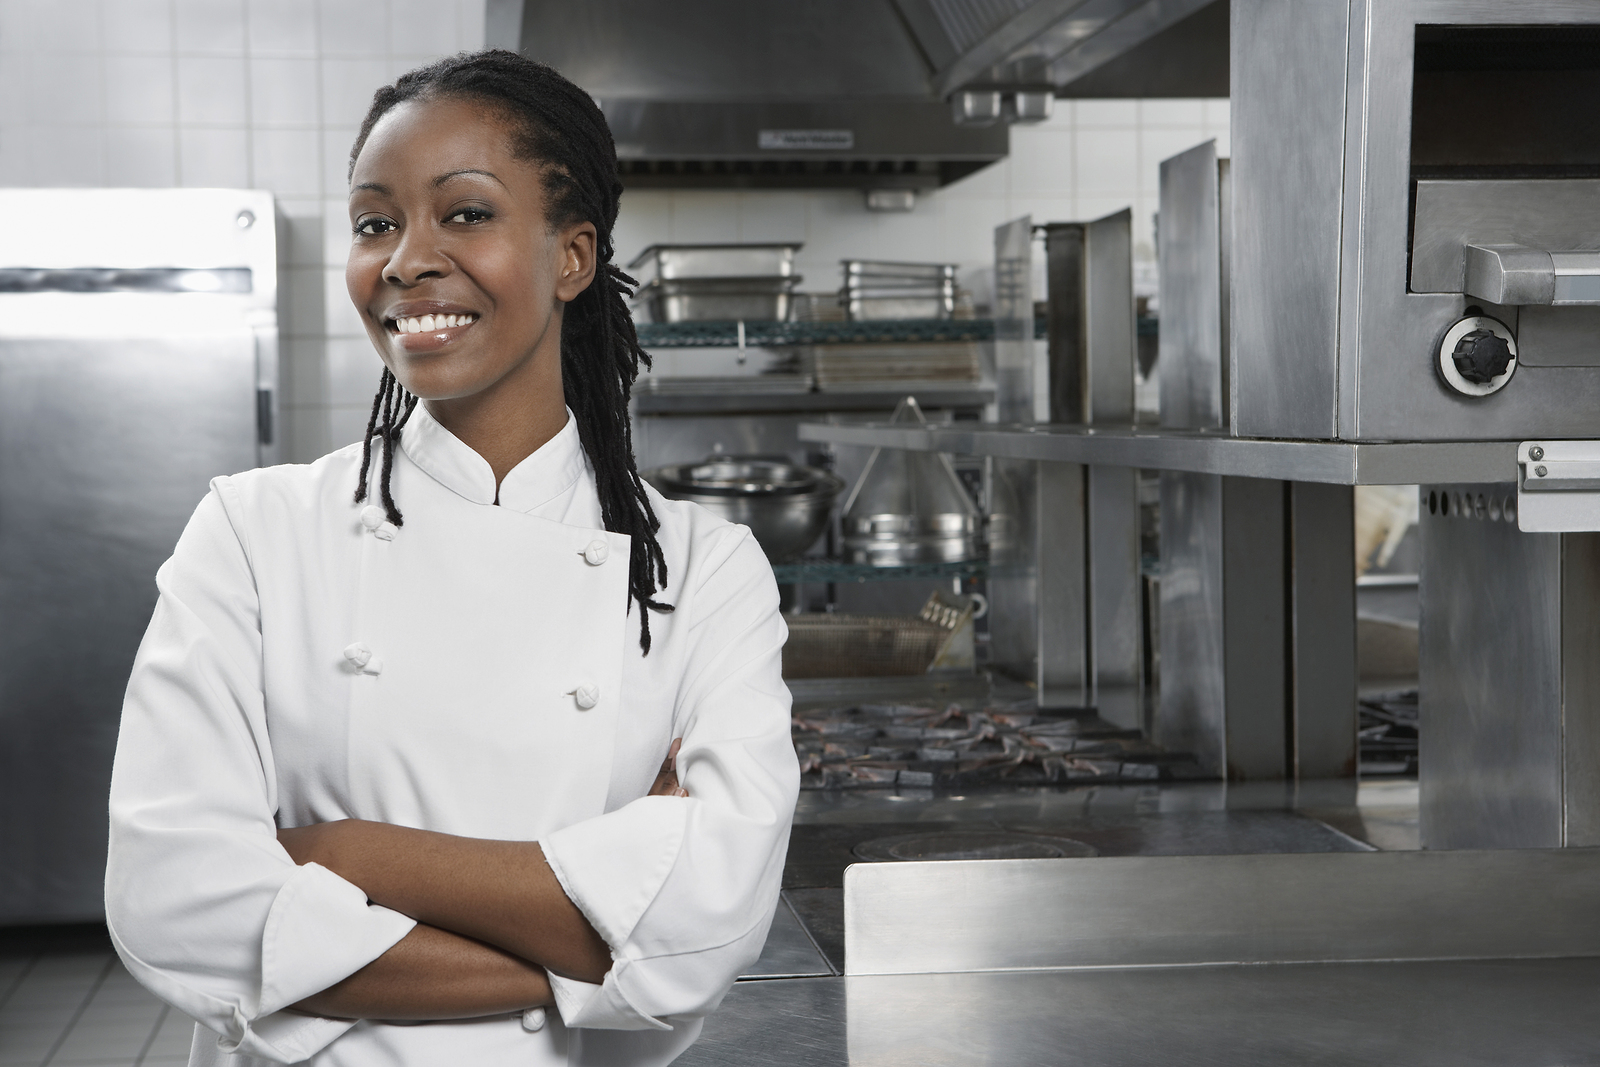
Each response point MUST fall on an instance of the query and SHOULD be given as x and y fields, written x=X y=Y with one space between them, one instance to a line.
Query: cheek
x=361 y=271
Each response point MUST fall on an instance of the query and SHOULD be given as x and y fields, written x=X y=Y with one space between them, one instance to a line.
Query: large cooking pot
x=785 y=505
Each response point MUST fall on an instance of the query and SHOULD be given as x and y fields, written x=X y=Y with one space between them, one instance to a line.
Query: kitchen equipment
x=837 y=645
x=719 y=299
x=877 y=289
x=138 y=351
x=716 y=260
x=785 y=505
x=910 y=507
x=874 y=365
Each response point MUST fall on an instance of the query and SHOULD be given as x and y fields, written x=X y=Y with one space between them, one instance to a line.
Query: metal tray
x=717 y=261
x=719 y=299
x=874 y=271
x=877 y=308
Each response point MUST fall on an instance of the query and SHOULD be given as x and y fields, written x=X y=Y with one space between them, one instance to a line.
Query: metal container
x=858 y=646
x=875 y=272
x=717 y=261
x=785 y=505
x=878 y=308
x=719 y=299
x=897 y=540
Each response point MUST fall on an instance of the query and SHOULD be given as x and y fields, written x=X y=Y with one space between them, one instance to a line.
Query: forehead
x=420 y=139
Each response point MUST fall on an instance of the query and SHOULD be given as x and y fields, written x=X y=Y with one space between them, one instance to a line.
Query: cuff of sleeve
x=284 y=1037
x=319 y=931
x=613 y=866
x=600 y=1007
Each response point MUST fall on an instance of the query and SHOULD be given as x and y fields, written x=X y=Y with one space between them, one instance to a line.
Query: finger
x=680 y=792
x=672 y=753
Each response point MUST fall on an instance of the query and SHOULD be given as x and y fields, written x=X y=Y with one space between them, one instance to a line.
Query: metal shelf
x=786 y=334
x=677 y=397
x=833 y=570
x=1201 y=452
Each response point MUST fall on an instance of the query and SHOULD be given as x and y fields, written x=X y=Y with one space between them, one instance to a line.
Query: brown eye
x=469 y=215
x=374 y=226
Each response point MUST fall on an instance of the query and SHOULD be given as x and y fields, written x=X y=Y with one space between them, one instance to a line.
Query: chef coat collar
x=545 y=474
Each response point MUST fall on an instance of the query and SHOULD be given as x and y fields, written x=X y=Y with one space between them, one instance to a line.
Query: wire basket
x=860 y=646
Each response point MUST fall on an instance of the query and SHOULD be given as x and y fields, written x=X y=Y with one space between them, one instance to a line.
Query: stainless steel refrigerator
x=138 y=359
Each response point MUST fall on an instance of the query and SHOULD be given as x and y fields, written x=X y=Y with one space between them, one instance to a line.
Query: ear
x=577 y=247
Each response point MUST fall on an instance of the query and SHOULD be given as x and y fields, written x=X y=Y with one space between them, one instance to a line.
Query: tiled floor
x=66 y=1001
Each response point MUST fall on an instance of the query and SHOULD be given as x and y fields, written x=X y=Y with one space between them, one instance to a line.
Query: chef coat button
x=596 y=552
x=533 y=1020
x=385 y=531
x=361 y=658
x=586 y=695
x=372 y=516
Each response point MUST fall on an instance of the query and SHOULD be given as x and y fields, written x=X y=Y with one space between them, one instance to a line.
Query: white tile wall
x=246 y=93
x=268 y=94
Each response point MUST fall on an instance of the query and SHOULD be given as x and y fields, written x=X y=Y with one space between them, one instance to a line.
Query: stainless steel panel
x=1013 y=580
x=1540 y=214
x=1115 y=591
x=105 y=449
x=1287 y=131
x=660 y=441
x=1059 y=540
x=1490 y=679
x=1255 y=627
x=789 y=951
x=1193 y=385
x=1191 y=713
x=1335 y=462
x=1323 y=630
x=717 y=261
x=1015 y=355
x=1182 y=911
x=1091 y=309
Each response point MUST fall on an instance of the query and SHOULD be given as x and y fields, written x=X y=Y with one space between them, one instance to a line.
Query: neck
x=508 y=422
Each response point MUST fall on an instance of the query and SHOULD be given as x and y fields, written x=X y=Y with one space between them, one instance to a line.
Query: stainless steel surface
x=1184 y=911
x=1020 y=375
x=1510 y=700
x=718 y=299
x=1509 y=274
x=1223 y=625
x=877 y=308
x=1116 y=595
x=1033 y=45
x=871 y=272
x=1336 y=462
x=1322 y=631
x=1534 y=214
x=1063 y=675
x=1558 y=490
x=117 y=408
x=1091 y=315
x=1331 y=343
x=717 y=260
x=730 y=94
x=786 y=506
x=789 y=951
x=1288 y=128
x=1486 y=1013
x=970 y=843
x=1194 y=378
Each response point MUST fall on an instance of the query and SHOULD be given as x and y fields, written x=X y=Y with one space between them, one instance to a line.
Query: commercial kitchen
x=1173 y=425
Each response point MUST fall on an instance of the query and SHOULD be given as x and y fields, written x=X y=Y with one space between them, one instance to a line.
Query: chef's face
x=457 y=273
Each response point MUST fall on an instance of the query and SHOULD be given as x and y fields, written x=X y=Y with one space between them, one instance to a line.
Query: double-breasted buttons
x=377 y=522
x=596 y=552
x=361 y=659
x=586 y=696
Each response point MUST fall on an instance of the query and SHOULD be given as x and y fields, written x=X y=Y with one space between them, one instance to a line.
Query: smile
x=429 y=323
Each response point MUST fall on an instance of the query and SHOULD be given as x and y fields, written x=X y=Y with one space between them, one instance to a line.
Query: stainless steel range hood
x=850 y=93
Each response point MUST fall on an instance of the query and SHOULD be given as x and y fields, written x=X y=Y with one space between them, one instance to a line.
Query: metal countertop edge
x=1334 y=462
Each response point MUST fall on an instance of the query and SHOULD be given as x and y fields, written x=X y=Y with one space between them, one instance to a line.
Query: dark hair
x=556 y=125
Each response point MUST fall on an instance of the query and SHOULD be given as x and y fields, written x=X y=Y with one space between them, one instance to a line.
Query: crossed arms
x=491 y=919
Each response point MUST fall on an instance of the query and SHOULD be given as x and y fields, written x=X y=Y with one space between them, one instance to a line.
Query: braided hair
x=557 y=126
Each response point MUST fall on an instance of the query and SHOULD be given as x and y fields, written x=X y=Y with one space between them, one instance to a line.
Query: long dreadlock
x=556 y=125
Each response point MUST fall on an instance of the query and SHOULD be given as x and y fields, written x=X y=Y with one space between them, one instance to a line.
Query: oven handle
x=1516 y=274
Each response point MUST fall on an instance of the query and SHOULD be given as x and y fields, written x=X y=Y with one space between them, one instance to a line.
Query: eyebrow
x=441 y=179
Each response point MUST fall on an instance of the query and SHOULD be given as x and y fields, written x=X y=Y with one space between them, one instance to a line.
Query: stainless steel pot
x=785 y=505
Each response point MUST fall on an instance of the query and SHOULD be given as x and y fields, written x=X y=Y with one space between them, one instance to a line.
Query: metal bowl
x=785 y=505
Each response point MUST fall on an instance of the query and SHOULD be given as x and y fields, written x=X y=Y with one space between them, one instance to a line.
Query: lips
x=426 y=317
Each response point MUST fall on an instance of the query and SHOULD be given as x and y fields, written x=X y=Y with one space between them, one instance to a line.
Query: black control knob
x=1481 y=356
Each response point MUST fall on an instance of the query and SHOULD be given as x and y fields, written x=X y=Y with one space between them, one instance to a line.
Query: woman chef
x=387 y=785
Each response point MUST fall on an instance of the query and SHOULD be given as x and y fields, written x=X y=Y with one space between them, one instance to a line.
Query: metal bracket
x=1558 y=486
x=1514 y=274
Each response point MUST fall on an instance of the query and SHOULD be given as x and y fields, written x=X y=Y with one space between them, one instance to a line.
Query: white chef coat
x=476 y=672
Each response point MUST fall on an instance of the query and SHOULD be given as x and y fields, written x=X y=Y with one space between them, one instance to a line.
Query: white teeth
x=429 y=323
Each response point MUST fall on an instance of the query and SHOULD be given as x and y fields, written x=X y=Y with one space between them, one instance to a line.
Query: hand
x=666 y=784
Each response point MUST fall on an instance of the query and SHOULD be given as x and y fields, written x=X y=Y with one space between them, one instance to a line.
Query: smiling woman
x=381 y=767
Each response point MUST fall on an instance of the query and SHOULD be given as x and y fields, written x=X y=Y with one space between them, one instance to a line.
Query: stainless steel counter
x=1505 y=1013
x=1199 y=452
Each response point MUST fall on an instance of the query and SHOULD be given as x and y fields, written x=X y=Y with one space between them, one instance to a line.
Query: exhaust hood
x=859 y=94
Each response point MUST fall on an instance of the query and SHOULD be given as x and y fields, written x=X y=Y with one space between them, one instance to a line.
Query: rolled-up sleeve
x=683 y=890
x=204 y=906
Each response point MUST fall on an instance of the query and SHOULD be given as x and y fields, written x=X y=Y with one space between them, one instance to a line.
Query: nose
x=416 y=258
